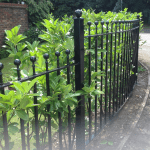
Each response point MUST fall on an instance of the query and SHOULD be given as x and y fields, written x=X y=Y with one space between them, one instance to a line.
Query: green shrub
x=33 y=32
x=38 y=10
x=3 y=53
x=56 y=35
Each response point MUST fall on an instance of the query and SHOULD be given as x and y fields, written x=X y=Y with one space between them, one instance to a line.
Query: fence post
x=79 y=78
x=5 y=124
x=137 y=46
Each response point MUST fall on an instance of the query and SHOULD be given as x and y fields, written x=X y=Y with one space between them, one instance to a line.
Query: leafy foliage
x=56 y=37
x=38 y=10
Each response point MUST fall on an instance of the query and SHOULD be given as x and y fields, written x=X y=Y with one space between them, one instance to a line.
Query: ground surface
x=130 y=128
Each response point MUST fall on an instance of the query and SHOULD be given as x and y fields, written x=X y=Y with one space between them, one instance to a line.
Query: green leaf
x=18 y=86
x=98 y=92
x=21 y=46
x=103 y=142
x=13 y=129
x=110 y=143
x=31 y=84
x=22 y=114
x=10 y=114
x=24 y=102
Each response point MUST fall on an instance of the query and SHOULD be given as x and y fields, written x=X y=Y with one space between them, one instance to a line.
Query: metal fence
x=113 y=51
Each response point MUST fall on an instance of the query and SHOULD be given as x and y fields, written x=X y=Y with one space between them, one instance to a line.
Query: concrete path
x=130 y=129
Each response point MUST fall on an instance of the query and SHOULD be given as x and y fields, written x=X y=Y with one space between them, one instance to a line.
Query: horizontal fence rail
x=104 y=70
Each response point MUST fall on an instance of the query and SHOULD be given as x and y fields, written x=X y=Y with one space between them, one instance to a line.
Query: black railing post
x=5 y=126
x=33 y=59
x=137 y=46
x=69 y=110
x=101 y=64
x=59 y=113
x=96 y=41
x=89 y=71
x=17 y=62
x=46 y=56
x=79 y=78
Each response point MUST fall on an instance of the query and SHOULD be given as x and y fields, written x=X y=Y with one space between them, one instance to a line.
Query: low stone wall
x=12 y=15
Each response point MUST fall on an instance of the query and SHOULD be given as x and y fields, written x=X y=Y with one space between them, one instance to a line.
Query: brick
x=12 y=15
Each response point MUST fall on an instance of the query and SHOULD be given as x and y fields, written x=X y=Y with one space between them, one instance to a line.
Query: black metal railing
x=113 y=51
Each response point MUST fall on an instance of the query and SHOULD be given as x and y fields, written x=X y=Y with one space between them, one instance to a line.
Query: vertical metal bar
x=127 y=58
x=59 y=113
x=111 y=46
x=123 y=62
x=106 y=69
x=17 y=62
x=101 y=98
x=28 y=136
x=5 y=125
x=96 y=23
x=33 y=59
x=130 y=57
x=120 y=70
x=117 y=94
x=138 y=29
x=89 y=99
x=114 y=78
x=121 y=77
x=69 y=111
x=46 y=56
x=79 y=78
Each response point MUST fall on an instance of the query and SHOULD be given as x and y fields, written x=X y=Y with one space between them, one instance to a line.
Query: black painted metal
x=130 y=46
x=89 y=99
x=110 y=78
x=28 y=134
x=33 y=59
x=79 y=78
x=116 y=65
x=59 y=113
x=37 y=75
x=17 y=62
x=101 y=98
x=117 y=94
x=138 y=29
x=106 y=73
x=46 y=56
x=120 y=70
x=96 y=23
x=69 y=111
x=5 y=125
x=114 y=77
x=125 y=74
x=127 y=57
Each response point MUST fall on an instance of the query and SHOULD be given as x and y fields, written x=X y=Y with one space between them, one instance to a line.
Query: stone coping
x=13 y=5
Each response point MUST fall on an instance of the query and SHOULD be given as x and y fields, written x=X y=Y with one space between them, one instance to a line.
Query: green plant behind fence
x=58 y=36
